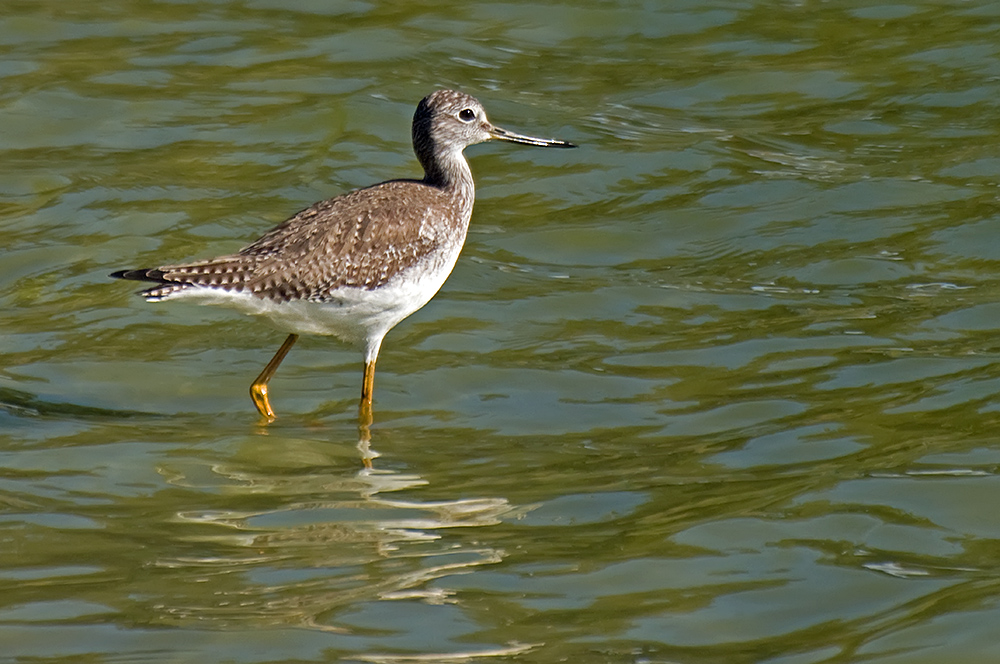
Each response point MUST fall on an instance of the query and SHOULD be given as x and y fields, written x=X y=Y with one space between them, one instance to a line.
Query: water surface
x=719 y=386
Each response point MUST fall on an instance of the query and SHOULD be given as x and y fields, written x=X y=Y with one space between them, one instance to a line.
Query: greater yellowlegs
x=355 y=265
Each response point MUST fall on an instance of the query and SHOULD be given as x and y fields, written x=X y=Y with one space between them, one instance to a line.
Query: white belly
x=358 y=316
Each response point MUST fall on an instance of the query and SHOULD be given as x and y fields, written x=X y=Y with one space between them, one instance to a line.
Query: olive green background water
x=722 y=385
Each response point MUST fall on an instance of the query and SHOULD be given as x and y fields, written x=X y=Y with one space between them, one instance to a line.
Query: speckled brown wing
x=361 y=239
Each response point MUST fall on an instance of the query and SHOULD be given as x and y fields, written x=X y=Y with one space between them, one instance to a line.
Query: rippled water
x=719 y=386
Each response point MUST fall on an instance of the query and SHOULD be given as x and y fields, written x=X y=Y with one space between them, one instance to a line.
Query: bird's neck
x=452 y=175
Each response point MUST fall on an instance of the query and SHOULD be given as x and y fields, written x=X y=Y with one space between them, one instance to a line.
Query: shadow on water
x=19 y=403
x=301 y=561
x=195 y=524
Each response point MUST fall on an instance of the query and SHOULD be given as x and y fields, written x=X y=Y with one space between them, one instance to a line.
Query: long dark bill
x=511 y=137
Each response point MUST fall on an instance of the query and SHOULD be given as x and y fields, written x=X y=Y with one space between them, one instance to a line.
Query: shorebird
x=355 y=265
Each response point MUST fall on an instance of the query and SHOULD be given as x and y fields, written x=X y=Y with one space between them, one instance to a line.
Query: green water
x=719 y=386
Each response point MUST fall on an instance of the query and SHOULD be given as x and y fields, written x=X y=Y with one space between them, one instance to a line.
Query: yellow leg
x=258 y=391
x=367 y=388
x=365 y=416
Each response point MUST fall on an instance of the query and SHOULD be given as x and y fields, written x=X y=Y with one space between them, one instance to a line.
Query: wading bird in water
x=356 y=265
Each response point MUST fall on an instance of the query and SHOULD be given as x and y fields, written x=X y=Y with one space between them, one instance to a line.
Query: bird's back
x=360 y=240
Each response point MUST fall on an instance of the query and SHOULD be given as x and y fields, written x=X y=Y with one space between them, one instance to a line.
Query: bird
x=355 y=265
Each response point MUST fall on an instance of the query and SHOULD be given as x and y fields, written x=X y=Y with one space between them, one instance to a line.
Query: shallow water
x=719 y=386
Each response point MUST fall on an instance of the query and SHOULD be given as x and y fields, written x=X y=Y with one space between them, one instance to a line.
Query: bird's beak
x=509 y=136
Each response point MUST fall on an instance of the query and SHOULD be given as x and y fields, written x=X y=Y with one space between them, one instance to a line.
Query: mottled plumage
x=355 y=265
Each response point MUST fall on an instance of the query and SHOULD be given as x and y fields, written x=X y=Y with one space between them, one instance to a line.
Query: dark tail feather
x=165 y=288
x=148 y=274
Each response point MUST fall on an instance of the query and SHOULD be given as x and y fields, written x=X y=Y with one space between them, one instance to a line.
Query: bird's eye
x=467 y=115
